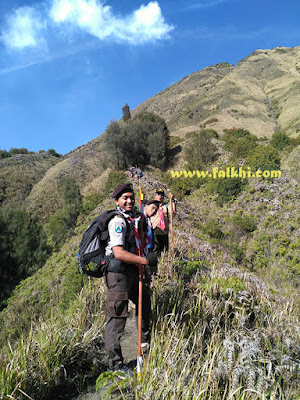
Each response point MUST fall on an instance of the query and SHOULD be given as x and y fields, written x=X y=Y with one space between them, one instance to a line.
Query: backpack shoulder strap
x=104 y=220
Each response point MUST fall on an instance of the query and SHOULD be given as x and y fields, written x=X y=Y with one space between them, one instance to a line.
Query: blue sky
x=67 y=67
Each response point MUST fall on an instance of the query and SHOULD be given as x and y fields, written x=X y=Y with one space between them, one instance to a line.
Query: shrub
x=182 y=186
x=213 y=229
x=239 y=142
x=90 y=202
x=243 y=222
x=4 y=154
x=279 y=140
x=142 y=140
x=263 y=158
x=227 y=189
x=200 y=150
x=175 y=140
x=53 y=153
x=62 y=223
x=212 y=133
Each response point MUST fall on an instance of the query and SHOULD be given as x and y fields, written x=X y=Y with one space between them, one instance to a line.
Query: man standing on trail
x=160 y=221
x=138 y=174
x=122 y=278
x=131 y=171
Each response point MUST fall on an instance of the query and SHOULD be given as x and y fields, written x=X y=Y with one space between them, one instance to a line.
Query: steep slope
x=19 y=173
x=85 y=164
x=260 y=94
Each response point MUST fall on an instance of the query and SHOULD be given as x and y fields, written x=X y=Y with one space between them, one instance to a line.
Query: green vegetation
x=263 y=157
x=62 y=223
x=226 y=189
x=279 y=140
x=213 y=229
x=225 y=309
x=239 y=142
x=182 y=186
x=146 y=135
x=14 y=151
x=199 y=151
x=220 y=330
x=126 y=115
x=243 y=222
x=175 y=140
x=19 y=173
x=23 y=248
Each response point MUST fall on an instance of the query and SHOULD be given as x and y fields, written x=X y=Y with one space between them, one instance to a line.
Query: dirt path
x=129 y=349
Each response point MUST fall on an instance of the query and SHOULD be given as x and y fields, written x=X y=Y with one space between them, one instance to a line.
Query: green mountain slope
x=19 y=173
x=259 y=94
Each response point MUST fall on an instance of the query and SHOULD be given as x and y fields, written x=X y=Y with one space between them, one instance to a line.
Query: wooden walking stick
x=139 y=360
x=171 y=226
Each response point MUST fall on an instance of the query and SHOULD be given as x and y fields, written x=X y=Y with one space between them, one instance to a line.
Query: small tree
x=14 y=151
x=116 y=144
x=126 y=113
x=52 y=152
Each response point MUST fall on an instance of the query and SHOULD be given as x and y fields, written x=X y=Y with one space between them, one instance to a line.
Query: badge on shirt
x=118 y=228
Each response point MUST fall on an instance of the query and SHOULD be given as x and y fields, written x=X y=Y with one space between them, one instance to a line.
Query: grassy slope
x=259 y=94
x=19 y=173
x=85 y=164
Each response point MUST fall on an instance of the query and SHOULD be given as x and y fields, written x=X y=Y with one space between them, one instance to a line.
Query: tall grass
x=214 y=337
x=211 y=341
x=36 y=362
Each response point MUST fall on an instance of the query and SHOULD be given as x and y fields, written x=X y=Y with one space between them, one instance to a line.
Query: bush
x=4 y=154
x=53 y=153
x=239 y=142
x=182 y=186
x=200 y=150
x=245 y=223
x=91 y=202
x=227 y=189
x=175 y=140
x=140 y=141
x=62 y=223
x=263 y=158
x=213 y=229
x=14 y=151
x=279 y=140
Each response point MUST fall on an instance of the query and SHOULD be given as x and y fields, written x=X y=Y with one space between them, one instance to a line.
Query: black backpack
x=91 y=255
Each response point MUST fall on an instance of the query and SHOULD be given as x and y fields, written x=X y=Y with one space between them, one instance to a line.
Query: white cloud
x=143 y=25
x=28 y=27
x=24 y=29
